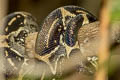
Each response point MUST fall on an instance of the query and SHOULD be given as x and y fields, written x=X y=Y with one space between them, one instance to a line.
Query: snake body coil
x=16 y=28
x=60 y=28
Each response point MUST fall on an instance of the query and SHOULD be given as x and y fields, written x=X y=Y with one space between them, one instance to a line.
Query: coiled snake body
x=16 y=28
x=59 y=30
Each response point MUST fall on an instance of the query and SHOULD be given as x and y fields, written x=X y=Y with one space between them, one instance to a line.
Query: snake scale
x=58 y=30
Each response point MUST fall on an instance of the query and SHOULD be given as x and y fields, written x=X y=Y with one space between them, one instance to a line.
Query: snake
x=60 y=28
x=16 y=27
x=57 y=34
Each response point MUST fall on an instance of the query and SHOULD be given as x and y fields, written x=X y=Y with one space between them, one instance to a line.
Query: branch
x=102 y=72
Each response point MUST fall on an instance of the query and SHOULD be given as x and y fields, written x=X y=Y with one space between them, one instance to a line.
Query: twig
x=101 y=74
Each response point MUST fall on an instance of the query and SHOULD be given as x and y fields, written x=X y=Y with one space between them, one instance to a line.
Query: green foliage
x=115 y=10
